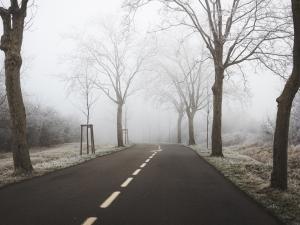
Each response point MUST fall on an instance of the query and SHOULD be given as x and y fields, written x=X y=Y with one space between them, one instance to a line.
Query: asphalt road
x=173 y=187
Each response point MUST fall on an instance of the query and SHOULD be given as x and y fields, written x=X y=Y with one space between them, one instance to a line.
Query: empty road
x=144 y=185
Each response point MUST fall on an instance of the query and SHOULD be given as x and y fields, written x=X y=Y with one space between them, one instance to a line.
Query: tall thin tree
x=187 y=74
x=81 y=82
x=117 y=62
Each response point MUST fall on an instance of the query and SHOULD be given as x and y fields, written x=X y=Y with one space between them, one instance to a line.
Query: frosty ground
x=249 y=167
x=49 y=159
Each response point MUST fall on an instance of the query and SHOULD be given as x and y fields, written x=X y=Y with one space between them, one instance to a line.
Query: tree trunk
x=119 y=126
x=179 y=122
x=216 y=135
x=11 y=44
x=280 y=144
x=13 y=62
x=207 y=123
x=191 y=128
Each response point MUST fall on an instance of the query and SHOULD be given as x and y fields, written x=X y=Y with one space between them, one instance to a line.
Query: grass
x=249 y=167
x=45 y=160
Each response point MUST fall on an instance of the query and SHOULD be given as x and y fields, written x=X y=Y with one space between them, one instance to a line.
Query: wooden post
x=81 y=140
x=87 y=139
x=88 y=126
x=92 y=139
x=127 y=137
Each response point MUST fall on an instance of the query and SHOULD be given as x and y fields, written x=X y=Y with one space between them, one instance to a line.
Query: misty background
x=47 y=44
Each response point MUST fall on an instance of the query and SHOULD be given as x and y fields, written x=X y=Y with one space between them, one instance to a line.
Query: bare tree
x=13 y=18
x=234 y=32
x=285 y=100
x=82 y=83
x=168 y=95
x=117 y=63
x=187 y=76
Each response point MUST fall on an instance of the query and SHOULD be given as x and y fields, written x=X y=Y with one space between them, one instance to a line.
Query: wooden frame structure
x=88 y=126
x=125 y=136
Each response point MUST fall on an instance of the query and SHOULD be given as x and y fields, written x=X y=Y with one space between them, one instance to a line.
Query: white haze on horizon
x=45 y=45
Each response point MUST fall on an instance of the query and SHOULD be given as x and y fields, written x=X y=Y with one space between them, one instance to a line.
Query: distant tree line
x=268 y=125
x=45 y=127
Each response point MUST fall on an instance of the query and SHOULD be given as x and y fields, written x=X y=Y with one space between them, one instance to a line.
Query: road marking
x=136 y=172
x=126 y=182
x=89 y=221
x=143 y=165
x=147 y=160
x=110 y=199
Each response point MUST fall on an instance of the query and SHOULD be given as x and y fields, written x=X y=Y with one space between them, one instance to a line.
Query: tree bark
x=119 y=126
x=285 y=100
x=11 y=43
x=13 y=62
x=217 y=90
x=179 y=122
x=191 y=128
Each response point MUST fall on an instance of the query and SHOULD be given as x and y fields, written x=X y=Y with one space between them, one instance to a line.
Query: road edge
x=29 y=178
x=247 y=195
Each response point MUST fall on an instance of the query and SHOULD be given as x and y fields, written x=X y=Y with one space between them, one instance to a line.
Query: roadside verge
x=252 y=177
x=46 y=160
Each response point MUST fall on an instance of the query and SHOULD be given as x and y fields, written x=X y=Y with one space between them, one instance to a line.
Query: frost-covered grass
x=45 y=160
x=249 y=167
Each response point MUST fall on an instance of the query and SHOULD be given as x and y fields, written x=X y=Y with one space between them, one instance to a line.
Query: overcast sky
x=45 y=45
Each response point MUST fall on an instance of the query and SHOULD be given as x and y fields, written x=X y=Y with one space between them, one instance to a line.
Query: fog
x=47 y=43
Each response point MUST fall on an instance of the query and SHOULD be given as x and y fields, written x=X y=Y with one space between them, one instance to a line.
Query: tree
x=117 y=63
x=284 y=101
x=168 y=95
x=234 y=32
x=82 y=83
x=180 y=111
x=187 y=76
x=13 y=19
x=208 y=108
